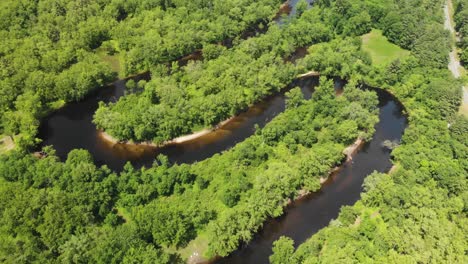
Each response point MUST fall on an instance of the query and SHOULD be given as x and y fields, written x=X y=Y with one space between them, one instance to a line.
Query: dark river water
x=305 y=217
x=71 y=128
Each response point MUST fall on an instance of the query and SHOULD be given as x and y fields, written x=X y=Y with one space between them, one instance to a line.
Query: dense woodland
x=76 y=211
x=73 y=211
x=227 y=81
x=418 y=213
x=50 y=51
x=213 y=90
x=204 y=93
x=461 y=26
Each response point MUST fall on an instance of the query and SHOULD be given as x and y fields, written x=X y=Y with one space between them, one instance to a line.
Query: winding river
x=306 y=216
x=71 y=127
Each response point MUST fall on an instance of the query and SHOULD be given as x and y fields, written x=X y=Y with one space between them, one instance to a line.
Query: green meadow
x=380 y=49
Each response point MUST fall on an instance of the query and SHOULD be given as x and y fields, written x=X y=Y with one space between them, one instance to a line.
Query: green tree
x=283 y=250
x=294 y=98
x=301 y=7
x=130 y=85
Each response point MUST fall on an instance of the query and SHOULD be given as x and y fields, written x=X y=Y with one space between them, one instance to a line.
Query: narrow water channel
x=305 y=217
x=71 y=128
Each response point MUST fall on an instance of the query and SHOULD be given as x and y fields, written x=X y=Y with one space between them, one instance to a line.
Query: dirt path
x=448 y=19
x=454 y=64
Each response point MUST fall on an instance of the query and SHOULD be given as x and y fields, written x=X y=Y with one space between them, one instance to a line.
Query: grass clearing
x=381 y=50
x=124 y=213
x=195 y=249
x=112 y=60
x=6 y=144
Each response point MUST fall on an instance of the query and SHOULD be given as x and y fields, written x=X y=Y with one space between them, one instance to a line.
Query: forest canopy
x=76 y=211
x=461 y=26
x=417 y=213
x=51 y=50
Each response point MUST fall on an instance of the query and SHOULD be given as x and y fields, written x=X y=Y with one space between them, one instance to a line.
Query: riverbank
x=309 y=74
x=285 y=9
x=197 y=256
x=310 y=212
x=178 y=140
x=184 y=138
x=189 y=137
x=109 y=140
x=349 y=151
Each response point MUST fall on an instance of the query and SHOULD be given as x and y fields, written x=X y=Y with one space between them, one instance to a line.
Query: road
x=454 y=64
